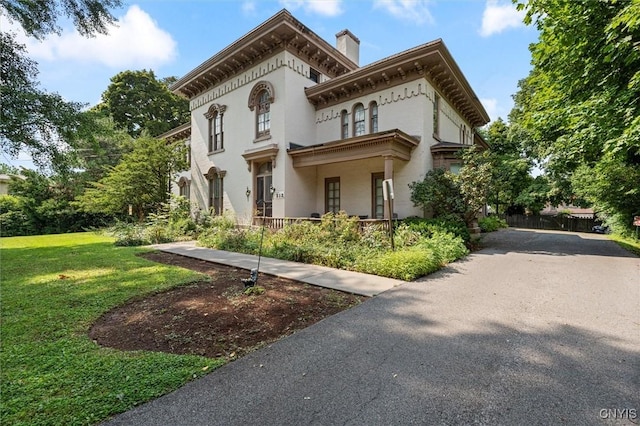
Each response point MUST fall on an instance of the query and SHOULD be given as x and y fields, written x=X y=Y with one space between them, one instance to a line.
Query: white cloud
x=249 y=7
x=499 y=16
x=320 y=7
x=416 y=11
x=491 y=105
x=136 y=41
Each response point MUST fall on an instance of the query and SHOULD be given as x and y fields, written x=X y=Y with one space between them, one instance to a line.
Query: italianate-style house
x=283 y=124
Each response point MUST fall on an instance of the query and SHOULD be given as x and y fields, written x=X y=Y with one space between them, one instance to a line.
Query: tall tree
x=580 y=106
x=32 y=119
x=40 y=18
x=511 y=169
x=140 y=180
x=445 y=194
x=139 y=102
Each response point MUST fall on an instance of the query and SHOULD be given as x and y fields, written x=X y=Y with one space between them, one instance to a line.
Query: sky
x=171 y=37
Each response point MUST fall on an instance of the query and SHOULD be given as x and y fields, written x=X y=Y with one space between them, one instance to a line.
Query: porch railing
x=281 y=222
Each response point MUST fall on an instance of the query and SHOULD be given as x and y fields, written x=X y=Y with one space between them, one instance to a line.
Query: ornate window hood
x=268 y=152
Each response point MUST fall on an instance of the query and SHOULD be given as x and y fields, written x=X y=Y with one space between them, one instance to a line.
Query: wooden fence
x=557 y=223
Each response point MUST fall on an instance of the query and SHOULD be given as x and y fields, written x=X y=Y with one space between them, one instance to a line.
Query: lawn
x=52 y=289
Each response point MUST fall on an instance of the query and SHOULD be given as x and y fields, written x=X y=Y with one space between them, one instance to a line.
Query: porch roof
x=391 y=143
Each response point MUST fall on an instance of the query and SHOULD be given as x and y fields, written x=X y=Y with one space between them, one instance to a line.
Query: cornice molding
x=431 y=61
x=280 y=32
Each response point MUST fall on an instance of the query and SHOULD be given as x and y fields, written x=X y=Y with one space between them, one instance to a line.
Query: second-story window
x=358 y=120
x=215 y=115
x=344 y=123
x=373 y=117
x=436 y=115
x=263 y=115
x=260 y=100
x=314 y=75
x=217 y=133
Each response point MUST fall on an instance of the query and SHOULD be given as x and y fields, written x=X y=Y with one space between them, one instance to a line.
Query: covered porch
x=347 y=174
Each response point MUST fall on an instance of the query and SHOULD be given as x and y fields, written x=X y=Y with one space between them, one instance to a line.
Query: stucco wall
x=300 y=191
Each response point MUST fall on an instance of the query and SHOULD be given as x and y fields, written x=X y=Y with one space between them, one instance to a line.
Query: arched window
x=216 y=135
x=260 y=100
x=358 y=120
x=263 y=120
x=215 y=176
x=184 y=186
x=344 y=122
x=373 y=117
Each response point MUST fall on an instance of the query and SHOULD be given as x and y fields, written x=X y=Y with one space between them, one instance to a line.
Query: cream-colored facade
x=286 y=125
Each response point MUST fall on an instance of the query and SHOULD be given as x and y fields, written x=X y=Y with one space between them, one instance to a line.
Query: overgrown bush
x=405 y=264
x=172 y=222
x=13 y=220
x=423 y=246
x=451 y=224
x=127 y=234
x=491 y=223
x=445 y=246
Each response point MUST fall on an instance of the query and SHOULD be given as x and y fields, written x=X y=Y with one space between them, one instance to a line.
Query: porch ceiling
x=393 y=143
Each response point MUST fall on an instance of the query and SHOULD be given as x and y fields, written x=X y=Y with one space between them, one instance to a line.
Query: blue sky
x=486 y=38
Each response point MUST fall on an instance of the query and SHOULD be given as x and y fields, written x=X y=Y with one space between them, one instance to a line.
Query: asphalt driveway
x=537 y=328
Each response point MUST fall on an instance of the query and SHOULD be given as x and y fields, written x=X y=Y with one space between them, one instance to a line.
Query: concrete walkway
x=539 y=328
x=351 y=282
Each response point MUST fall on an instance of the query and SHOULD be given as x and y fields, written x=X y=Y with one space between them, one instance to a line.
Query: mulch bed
x=215 y=318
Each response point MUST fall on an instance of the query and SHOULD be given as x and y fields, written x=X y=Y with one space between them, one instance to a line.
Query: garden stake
x=253 y=278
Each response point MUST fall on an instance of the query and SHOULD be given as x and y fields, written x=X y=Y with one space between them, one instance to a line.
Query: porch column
x=388 y=174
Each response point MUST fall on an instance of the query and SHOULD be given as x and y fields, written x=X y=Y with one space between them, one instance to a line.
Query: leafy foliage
x=140 y=180
x=511 y=169
x=491 y=223
x=579 y=108
x=42 y=205
x=139 y=102
x=443 y=193
x=32 y=119
x=41 y=18
x=337 y=242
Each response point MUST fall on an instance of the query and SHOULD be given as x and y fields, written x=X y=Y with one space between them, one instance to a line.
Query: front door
x=264 y=200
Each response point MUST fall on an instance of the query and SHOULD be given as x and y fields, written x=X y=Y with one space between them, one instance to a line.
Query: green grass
x=53 y=288
x=627 y=243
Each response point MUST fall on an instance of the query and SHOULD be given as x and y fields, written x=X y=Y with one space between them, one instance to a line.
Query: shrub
x=404 y=236
x=13 y=220
x=127 y=234
x=450 y=224
x=375 y=237
x=491 y=223
x=445 y=246
x=405 y=264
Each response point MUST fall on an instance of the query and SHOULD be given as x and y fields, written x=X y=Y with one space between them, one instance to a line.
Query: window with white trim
x=344 y=123
x=373 y=117
x=358 y=120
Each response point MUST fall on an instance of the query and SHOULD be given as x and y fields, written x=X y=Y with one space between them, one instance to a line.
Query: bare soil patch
x=215 y=318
